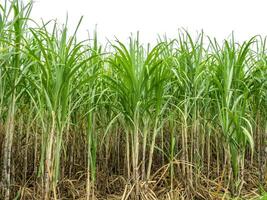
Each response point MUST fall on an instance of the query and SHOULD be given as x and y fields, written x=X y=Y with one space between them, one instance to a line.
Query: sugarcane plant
x=14 y=67
x=58 y=59
x=231 y=95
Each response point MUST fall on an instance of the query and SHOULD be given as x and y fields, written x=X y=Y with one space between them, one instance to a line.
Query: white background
x=218 y=18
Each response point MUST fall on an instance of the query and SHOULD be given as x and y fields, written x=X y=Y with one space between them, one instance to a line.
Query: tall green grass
x=183 y=119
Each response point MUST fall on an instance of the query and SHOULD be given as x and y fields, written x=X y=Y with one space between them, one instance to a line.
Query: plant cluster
x=184 y=119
